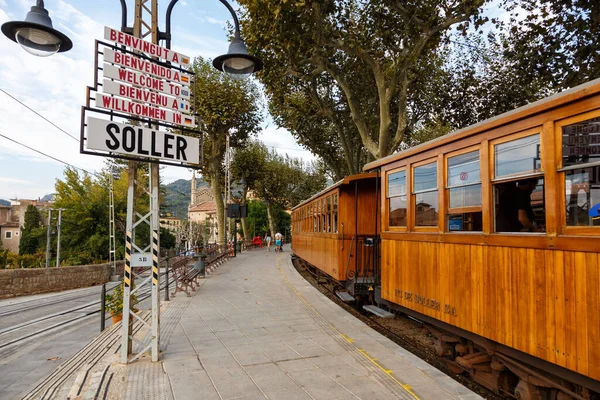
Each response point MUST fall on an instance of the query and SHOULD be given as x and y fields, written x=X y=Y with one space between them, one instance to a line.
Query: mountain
x=4 y=202
x=177 y=197
x=49 y=197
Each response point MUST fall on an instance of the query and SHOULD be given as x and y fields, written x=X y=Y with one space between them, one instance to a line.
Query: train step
x=378 y=311
x=345 y=296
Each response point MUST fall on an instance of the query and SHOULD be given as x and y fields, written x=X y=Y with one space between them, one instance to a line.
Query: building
x=203 y=209
x=12 y=218
x=10 y=233
x=172 y=224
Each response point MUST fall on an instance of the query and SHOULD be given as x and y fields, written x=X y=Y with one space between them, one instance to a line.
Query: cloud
x=14 y=180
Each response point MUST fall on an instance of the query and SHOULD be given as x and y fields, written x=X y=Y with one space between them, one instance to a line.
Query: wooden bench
x=185 y=276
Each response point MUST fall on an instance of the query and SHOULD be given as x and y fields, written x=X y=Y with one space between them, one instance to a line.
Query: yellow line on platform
x=388 y=372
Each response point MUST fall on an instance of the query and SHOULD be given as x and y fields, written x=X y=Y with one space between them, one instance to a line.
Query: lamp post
x=36 y=34
x=237 y=63
x=235 y=220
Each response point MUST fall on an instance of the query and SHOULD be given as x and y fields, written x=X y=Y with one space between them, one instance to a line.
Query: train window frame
x=447 y=188
x=335 y=200
x=388 y=226
x=323 y=215
x=413 y=196
x=562 y=173
x=540 y=174
x=328 y=214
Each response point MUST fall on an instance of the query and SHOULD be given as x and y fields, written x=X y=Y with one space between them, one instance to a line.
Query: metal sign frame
x=87 y=110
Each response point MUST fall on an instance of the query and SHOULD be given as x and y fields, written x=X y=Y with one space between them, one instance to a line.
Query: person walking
x=268 y=240
x=278 y=242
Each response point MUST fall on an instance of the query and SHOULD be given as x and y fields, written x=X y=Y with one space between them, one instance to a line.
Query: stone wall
x=21 y=282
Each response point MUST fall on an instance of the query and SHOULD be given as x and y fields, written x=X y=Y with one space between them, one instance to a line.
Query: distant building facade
x=203 y=209
x=172 y=224
x=12 y=218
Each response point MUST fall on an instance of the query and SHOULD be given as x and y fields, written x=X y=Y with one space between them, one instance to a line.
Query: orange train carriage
x=515 y=306
x=331 y=228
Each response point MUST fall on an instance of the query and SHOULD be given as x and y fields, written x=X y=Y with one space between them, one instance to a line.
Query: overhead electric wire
x=39 y=115
x=46 y=155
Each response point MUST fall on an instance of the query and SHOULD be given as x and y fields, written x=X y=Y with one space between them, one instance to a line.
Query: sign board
x=141 y=259
x=151 y=49
x=148 y=67
x=141 y=141
x=143 y=110
x=145 y=81
x=146 y=96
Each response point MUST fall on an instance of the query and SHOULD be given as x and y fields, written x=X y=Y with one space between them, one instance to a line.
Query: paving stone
x=172 y=367
x=237 y=388
x=289 y=394
x=295 y=365
x=197 y=378
x=192 y=391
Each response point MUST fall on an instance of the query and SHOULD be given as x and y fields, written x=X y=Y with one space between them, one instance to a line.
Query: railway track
x=15 y=334
x=399 y=338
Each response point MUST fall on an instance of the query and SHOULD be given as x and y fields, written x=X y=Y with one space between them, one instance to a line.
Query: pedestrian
x=268 y=240
x=278 y=241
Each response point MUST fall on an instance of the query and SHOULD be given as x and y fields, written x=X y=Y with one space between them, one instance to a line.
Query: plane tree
x=225 y=107
x=362 y=60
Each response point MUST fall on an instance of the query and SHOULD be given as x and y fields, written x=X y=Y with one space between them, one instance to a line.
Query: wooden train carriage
x=449 y=255
x=327 y=226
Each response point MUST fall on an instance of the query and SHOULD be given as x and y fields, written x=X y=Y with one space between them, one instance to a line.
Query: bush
x=15 y=261
x=114 y=301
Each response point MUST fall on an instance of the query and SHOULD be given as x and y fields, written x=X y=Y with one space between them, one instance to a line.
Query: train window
x=315 y=217
x=323 y=216
x=425 y=195
x=519 y=202
x=335 y=213
x=397 y=198
x=328 y=214
x=518 y=157
x=464 y=193
x=581 y=156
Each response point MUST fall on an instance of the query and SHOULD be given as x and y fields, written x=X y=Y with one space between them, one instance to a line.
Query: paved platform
x=256 y=329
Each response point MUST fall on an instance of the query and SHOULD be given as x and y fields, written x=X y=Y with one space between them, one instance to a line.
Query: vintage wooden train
x=489 y=236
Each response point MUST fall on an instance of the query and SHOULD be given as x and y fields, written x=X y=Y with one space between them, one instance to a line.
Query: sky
x=55 y=88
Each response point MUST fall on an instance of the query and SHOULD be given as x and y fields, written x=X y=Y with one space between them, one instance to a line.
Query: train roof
x=345 y=181
x=545 y=104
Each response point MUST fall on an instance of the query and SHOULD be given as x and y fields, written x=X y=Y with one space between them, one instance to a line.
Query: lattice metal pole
x=145 y=24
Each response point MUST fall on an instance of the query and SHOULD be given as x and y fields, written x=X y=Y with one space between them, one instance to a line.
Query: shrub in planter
x=114 y=302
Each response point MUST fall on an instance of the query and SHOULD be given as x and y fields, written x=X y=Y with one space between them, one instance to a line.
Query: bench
x=185 y=277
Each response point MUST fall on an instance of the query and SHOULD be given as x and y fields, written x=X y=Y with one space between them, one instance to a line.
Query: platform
x=257 y=330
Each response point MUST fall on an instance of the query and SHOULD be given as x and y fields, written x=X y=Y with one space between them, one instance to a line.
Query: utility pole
x=112 y=244
x=58 y=226
x=48 y=239
x=145 y=24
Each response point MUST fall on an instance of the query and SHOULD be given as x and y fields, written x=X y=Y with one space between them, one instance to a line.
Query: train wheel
x=527 y=391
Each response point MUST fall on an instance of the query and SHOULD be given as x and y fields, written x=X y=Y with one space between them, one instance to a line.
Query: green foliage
x=225 y=107
x=342 y=73
x=167 y=239
x=258 y=221
x=555 y=41
x=15 y=261
x=4 y=202
x=33 y=234
x=3 y=257
x=114 y=300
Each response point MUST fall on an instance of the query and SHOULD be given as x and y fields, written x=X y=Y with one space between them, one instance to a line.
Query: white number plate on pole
x=141 y=260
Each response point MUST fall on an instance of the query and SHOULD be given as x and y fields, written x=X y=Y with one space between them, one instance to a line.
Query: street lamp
x=237 y=63
x=36 y=34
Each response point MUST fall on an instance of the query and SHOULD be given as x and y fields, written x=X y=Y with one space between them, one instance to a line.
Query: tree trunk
x=216 y=186
x=272 y=226
x=244 y=222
